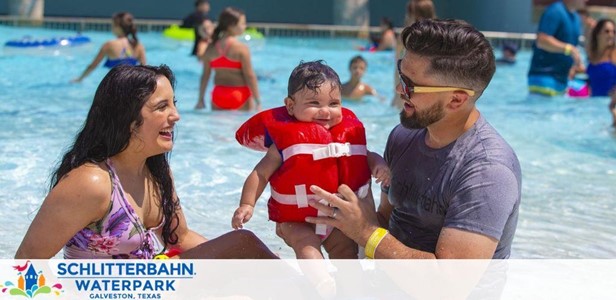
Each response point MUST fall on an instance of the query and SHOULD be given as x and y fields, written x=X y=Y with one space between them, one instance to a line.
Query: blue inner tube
x=28 y=42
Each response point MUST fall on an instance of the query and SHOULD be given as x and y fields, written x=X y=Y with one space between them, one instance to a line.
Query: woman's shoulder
x=86 y=189
x=89 y=179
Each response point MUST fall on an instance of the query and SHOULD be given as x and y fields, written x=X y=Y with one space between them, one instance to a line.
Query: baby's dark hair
x=311 y=75
x=357 y=58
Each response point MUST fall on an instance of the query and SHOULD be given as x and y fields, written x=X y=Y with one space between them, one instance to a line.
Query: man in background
x=555 y=50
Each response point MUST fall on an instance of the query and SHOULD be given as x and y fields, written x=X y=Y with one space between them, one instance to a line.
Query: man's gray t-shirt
x=473 y=184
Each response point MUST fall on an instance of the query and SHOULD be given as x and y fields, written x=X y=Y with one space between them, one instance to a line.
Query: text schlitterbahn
x=125 y=276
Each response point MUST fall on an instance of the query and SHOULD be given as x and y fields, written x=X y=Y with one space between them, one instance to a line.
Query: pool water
x=566 y=146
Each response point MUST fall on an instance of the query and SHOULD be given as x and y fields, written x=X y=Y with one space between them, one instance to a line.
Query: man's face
x=423 y=109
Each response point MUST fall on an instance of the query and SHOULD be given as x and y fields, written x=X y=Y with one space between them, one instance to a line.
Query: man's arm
x=358 y=222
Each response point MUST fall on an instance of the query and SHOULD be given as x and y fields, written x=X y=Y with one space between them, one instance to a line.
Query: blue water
x=566 y=147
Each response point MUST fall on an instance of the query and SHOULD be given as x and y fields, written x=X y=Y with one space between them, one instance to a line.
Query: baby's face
x=358 y=68
x=323 y=107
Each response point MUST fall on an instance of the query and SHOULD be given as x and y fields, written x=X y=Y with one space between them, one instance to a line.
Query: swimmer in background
x=202 y=25
x=355 y=89
x=509 y=51
x=124 y=49
x=386 y=40
x=235 y=81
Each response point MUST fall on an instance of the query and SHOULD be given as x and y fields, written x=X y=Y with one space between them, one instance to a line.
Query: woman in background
x=416 y=10
x=124 y=49
x=601 y=68
x=235 y=82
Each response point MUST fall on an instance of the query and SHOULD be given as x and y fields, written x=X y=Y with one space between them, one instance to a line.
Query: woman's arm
x=83 y=196
x=249 y=74
x=102 y=52
x=205 y=78
x=141 y=54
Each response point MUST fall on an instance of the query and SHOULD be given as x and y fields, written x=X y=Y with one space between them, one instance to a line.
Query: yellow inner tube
x=188 y=34
x=176 y=32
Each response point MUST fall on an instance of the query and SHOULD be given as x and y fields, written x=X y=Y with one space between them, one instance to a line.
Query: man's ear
x=458 y=99
x=288 y=102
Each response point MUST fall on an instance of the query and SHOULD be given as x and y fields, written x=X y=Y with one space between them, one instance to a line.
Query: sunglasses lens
x=405 y=87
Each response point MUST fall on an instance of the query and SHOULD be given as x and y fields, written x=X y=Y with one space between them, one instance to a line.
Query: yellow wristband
x=161 y=256
x=568 y=49
x=375 y=239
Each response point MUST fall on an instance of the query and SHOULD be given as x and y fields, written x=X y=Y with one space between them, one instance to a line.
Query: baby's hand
x=382 y=174
x=242 y=215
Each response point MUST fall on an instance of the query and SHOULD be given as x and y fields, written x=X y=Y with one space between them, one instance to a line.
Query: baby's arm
x=379 y=168
x=254 y=186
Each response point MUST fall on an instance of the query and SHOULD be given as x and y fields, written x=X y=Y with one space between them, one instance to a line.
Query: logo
x=30 y=283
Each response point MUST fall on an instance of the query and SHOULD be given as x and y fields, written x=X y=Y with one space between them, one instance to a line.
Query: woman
x=387 y=39
x=124 y=49
x=601 y=68
x=235 y=82
x=112 y=195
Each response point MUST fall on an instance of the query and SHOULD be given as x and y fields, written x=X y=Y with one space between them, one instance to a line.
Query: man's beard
x=422 y=119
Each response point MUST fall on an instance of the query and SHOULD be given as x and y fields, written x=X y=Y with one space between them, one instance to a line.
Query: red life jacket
x=312 y=155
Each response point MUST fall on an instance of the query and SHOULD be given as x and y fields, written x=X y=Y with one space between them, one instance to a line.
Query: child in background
x=310 y=140
x=355 y=89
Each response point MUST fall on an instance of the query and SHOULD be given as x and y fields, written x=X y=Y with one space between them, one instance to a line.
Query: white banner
x=308 y=279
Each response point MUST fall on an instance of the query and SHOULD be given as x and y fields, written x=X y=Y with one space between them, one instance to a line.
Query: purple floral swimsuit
x=120 y=234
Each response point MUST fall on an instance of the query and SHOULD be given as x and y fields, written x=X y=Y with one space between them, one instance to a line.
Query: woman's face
x=240 y=27
x=606 y=35
x=155 y=135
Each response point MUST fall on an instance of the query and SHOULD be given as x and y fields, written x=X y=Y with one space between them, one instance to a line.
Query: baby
x=312 y=140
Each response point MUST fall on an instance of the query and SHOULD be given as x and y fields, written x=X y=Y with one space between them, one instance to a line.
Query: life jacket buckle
x=338 y=149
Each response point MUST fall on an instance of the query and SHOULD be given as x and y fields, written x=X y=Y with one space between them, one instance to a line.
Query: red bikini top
x=223 y=62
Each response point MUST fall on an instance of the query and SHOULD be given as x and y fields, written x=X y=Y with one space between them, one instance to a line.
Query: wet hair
x=458 y=53
x=312 y=75
x=125 y=21
x=594 y=35
x=357 y=58
x=230 y=16
x=115 y=110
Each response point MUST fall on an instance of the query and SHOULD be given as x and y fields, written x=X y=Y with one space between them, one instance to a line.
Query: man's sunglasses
x=409 y=88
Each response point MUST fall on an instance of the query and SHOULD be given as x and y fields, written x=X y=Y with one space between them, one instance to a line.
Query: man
x=455 y=183
x=201 y=23
x=555 y=51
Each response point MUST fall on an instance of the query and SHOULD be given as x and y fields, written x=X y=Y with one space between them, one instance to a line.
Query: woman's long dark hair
x=107 y=130
x=230 y=16
x=594 y=43
x=126 y=22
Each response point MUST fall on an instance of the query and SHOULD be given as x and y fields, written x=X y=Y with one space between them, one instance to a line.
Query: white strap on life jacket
x=321 y=151
x=301 y=199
